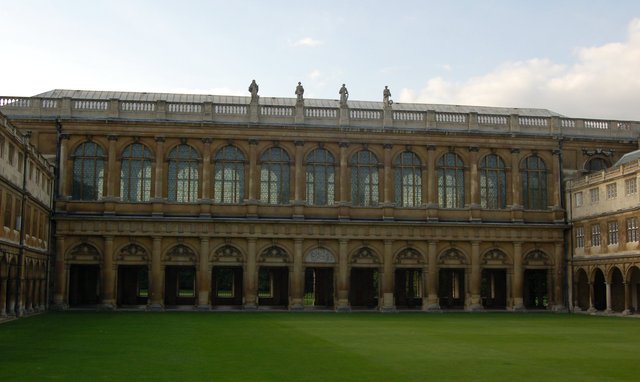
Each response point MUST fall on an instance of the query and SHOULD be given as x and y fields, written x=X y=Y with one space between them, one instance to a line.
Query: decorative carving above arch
x=132 y=253
x=83 y=252
x=320 y=256
x=495 y=257
x=409 y=256
x=365 y=256
x=452 y=257
x=181 y=254
x=274 y=254
x=537 y=257
x=228 y=254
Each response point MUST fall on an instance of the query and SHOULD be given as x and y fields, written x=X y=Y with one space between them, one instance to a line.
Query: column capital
x=343 y=144
x=112 y=137
x=159 y=139
x=207 y=141
x=474 y=149
x=431 y=147
x=387 y=146
x=515 y=150
x=298 y=143
x=253 y=141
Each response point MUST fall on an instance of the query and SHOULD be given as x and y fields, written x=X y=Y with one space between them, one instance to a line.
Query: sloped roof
x=279 y=101
x=627 y=158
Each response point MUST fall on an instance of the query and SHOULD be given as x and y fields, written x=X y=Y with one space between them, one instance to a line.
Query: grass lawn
x=187 y=346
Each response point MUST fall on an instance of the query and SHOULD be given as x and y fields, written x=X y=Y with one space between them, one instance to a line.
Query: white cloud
x=603 y=82
x=315 y=74
x=307 y=41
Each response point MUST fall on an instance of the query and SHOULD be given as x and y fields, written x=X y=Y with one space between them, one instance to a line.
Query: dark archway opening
x=536 y=289
x=226 y=286
x=318 y=287
x=493 y=288
x=599 y=291
x=273 y=286
x=408 y=288
x=451 y=288
x=84 y=284
x=363 y=291
x=617 y=290
x=582 y=291
x=133 y=285
x=179 y=285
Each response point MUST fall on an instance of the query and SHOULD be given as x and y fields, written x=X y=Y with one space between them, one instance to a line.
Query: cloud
x=315 y=74
x=603 y=82
x=307 y=41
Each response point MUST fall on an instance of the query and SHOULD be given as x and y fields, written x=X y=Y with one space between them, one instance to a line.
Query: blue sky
x=578 y=58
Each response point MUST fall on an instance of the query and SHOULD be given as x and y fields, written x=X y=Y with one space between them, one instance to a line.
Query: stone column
x=112 y=172
x=432 y=278
x=343 y=277
x=518 y=275
x=558 y=279
x=108 y=275
x=388 y=304
x=515 y=179
x=204 y=275
x=64 y=179
x=388 y=181
x=11 y=289
x=159 y=174
x=555 y=180
x=43 y=293
x=344 y=174
x=476 y=303
x=432 y=193
x=250 y=277
x=297 y=279
x=298 y=178
x=627 y=299
x=253 y=169
x=592 y=296
x=60 y=294
x=206 y=169
x=474 y=180
x=28 y=298
x=156 y=298
x=3 y=295
x=608 y=289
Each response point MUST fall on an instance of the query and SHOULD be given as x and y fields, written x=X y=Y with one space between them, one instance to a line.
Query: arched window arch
x=450 y=181
x=183 y=174
x=228 y=175
x=364 y=179
x=493 y=182
x=135 y=173
x=320 y=173
x=596 y=164
x=534 y=183
x=408 y=180
x=274 y=176
x=88 y=171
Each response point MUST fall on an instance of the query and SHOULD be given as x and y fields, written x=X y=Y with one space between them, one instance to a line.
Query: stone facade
x=211 y=202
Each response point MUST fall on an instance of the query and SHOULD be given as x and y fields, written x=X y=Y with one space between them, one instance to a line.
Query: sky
x=577 y=58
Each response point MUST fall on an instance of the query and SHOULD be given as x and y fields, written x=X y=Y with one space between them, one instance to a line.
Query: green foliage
x=192 y=346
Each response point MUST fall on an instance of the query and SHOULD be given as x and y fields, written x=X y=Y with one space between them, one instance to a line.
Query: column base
x=343 y=307
x=388 y=309
x=519 y=308
x=559 y=309
x=627 y=312
x=592 y=310
x=475 y=308
x=59 y=307
x=250 y=307
x=296 y=307
x=155 y=307
x=107 y=307
x=432 y=308
x=203 y=308
x=608 y=311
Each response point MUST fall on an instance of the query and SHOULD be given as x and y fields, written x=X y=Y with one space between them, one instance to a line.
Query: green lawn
x=186 y=346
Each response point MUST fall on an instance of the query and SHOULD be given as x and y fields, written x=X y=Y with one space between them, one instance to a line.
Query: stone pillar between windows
x=297 y=279
x=515 y=179
x=475 y=286
x=298 y=178
x=64 y=179
x=474 y=185
x=111 y=167
x=206 y=169
x=204 y=275
x=344 y=176
x=253 y=169
x=518 y=275
x=558 y=301
x=156 y=301
x=432 y=279
x=108 y=276
x=343 y=277
x=432 y=201
x=60 y=294
x=159 y=173
x=555 y=183
x=388 y=303
x=388 y=183
x=250 y=276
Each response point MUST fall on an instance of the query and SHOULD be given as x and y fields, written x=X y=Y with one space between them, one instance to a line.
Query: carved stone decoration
x=409 y=256
x=452 y=257
x=537 y=257
x=365 y=256
x=274 y=254
x=181 y=254
x=495 y=257
x=84 y=252
x=228 y=254
x=320 y=256
x=132 y=253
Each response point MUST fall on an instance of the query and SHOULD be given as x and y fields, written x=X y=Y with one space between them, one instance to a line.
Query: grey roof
x=279 y=101
x=627 y=158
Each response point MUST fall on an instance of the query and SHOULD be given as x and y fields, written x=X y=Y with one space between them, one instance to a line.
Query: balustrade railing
x=277 y=111
x=317 y=112
x=365 y=114
x=137 y=106
x=185 y=108
x=492 y=119
x=224 y=109
x=408 y=116
x=451 y=118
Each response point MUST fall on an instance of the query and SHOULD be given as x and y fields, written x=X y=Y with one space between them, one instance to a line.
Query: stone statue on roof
x=344 y=95
x=386 y=95
x=299 y=92
x=253 y=89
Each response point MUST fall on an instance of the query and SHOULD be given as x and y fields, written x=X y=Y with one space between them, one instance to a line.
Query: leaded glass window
x=274 y=176
x=320 y=177
x=364 y=179
x=228 y=176
x=408 y=180
x=182 y=180
x=596 y=164
x=450 y=181
x=534 y=183
x=88 y=171
x=493 y=182
x=135 y=174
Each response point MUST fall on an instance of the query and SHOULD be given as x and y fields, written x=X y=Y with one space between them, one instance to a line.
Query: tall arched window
x=274 y=176
x=364 y=179
x=534 y=183
x=596 y=164
x=228 y=177
x=408 y=180
x=135 y=173
x=450 y=181
x=320 y=177
x=493 y=182
x=182 y=179
x=88 y=171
